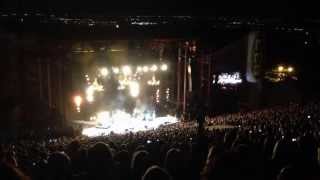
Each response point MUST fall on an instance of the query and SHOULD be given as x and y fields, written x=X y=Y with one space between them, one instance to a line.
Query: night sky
x=167 y=7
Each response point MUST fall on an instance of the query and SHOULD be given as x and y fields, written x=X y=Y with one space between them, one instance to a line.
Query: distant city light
x=116 y=50
x=104 y=71
x=280 y=68
x=164 y=67
x=281 y=73
x=290 y=69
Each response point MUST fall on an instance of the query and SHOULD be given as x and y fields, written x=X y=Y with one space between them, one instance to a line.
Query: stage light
x=134 y=88
x=145 y=69
x=121 y=122
x=154 y=68
x=104 y=71
x=103 y=116
x=153 y=81
x=77 y=100
x=121 y=87
x=164 y=67
x=115 y=70
x=280 y=68
x=89 y=94
x=158 y=96
x=126 y=70
x=139 y=69
x=189 y=69
x=96 y=86
x=167 y=94
x=290 y=69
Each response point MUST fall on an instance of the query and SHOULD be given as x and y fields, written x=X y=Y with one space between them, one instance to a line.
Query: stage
x=121 y=123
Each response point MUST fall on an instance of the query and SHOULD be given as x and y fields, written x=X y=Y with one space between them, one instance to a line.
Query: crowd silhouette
x=278 y=143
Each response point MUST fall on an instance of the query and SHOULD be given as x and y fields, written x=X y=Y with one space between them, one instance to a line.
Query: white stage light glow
x=121 y=122
x=103 y=118
x=164 y=67
x=126 y=70
x=104 y=72
x=139 y=69
x=145 y=69
x=158 y=96
x=89 y=94
x=115 y=70
x=78 y=101
x=134 y=88
x=153 y=81
x=154 y=68
x=96 y=86
x=280 y=68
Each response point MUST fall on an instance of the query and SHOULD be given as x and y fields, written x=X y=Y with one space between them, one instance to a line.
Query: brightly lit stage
x=123 y=99
x=121 y=122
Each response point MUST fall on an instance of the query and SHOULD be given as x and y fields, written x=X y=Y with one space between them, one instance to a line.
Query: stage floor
x=123 y=125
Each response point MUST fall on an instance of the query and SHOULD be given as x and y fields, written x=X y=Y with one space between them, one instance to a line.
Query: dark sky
x=166 y=7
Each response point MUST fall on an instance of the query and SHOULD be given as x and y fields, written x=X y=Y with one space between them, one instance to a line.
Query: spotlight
x=77 y=100
x=115 y=70
x=280 y=68
x=290 y=69
x=104 y=72
x=189 y=69
x=134 y=89
x=154 y=68
x=126 y=70
x=164 y=67
x=145 y=69
x=139 y=69
x=89 y=94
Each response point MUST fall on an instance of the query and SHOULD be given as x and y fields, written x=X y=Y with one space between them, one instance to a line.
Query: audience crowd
x=278 y=143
